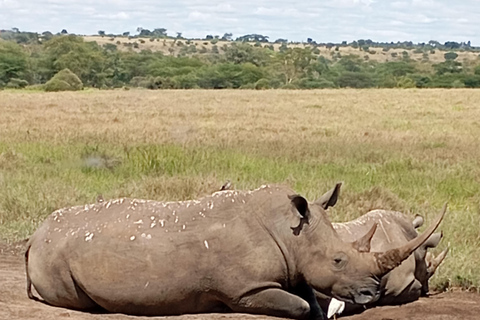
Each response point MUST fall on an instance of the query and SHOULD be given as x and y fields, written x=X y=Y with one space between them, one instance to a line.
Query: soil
x=14 y=304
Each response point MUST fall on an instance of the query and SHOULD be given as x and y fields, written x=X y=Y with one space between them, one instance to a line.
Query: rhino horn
x=418 y=221
x=329 y=199
x=434 y=262
x=390 y=259
x=363 y=244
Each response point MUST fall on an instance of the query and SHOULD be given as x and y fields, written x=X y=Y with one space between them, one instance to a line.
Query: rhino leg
x=29 y=281
x=273 y=302
x=306 y=292
x=54 y=282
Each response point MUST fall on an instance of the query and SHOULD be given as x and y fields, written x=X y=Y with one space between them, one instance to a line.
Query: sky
x=322 y=20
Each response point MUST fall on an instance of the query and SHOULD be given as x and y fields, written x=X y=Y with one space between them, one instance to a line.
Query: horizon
x=332 y=21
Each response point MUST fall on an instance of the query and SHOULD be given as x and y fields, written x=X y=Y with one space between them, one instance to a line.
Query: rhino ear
x=363 y=244
x=418 y=221
x=329 y=199
x=301 y=206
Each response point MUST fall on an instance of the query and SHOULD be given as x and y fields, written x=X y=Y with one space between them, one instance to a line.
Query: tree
x=101 y=33
x=85 y=59
x=227 y=37
x=449 y=66
x=292 y=64
x=47 y=35
x=13 y=61
x=355 y=80
x=126 y=34
x=64 y=31
x=161 y=33
x=450 y=55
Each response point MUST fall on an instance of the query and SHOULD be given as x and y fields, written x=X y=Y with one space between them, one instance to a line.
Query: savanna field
x=407 y=150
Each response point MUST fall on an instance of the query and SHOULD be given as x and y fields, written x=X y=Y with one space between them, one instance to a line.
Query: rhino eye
x=339 y=261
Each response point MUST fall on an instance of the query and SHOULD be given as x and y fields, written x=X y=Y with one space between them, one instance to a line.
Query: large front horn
x=392 y=258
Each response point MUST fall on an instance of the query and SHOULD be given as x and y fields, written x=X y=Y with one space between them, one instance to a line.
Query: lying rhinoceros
x=242 y=251
x=408 y=281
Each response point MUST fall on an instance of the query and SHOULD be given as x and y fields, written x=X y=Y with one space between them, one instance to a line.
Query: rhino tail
x=29 y=281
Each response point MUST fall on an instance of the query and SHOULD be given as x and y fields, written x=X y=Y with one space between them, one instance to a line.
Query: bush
x=450 y=56
x=458 y=84
x=248 y=86
x=355 y=80
x=64 y=80
x=262 y=84
x=289 y=86
x=405 y=83
x=16 y=84
x=316 y=84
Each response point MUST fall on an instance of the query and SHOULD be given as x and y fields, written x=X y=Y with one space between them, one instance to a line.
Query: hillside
x=169 y=46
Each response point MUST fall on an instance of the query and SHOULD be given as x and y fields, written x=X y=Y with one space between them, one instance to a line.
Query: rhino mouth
x=366 y=296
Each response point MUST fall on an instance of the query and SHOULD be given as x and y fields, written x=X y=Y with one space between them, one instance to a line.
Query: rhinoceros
x=259 y=251
x=408 y=281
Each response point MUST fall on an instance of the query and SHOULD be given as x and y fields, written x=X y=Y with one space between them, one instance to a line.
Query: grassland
x=408 y=150
x=173 y=47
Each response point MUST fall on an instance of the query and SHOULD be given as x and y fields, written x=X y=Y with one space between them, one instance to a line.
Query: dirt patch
x=14 y=304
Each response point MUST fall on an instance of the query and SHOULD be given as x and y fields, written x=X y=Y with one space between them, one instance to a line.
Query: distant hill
x=175 y=47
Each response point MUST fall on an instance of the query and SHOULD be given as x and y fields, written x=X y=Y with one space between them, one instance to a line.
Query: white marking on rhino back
x=206 y=244
x=132 y=238
x=88 y=236
x=138 y=222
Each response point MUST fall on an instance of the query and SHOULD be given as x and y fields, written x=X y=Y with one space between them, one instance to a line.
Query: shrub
x=64 y=80
x=248 y=86
x=55 y=85
x=15 y=83
x=262 y=84
x=450 y=56
x=458 y=84
x=289 y=86
x=405 y=83
x=316 y=84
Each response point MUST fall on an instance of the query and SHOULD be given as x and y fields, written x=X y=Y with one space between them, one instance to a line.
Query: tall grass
x=404 y=150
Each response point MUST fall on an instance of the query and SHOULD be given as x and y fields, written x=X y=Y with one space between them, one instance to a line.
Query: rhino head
x=346 y=271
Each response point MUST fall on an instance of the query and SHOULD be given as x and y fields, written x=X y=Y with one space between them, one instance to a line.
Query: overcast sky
x=323 y=21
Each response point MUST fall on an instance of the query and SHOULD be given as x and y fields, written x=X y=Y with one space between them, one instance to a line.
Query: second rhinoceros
x=408 y=281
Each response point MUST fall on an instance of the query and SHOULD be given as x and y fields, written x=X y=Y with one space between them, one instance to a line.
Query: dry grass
x=374 y=53
x=408 y=150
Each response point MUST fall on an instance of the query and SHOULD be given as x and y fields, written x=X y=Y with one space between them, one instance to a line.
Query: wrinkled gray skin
x=232 y=251
x=405 y=283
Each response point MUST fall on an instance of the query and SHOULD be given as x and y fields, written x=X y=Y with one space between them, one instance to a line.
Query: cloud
x=324 y=21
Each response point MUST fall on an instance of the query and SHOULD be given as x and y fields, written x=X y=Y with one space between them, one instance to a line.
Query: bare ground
x=14 y=304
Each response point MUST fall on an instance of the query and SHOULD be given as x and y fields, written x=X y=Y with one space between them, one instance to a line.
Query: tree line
x=30 y=59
